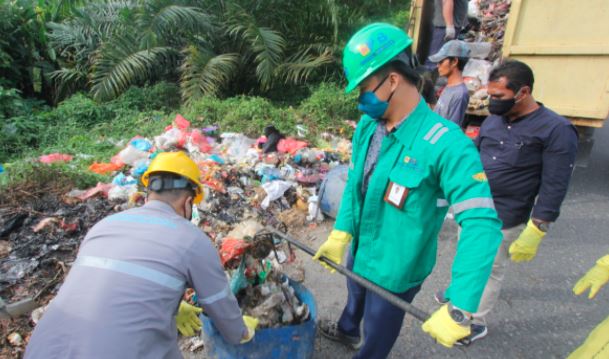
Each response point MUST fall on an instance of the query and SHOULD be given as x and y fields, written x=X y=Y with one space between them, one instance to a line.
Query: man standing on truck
x=449 y=18
x=451 y=60
x=528 y=152
x=123 y=291
x=408 y=165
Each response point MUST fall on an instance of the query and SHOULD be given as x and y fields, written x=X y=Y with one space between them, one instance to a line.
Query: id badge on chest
x=396 y=195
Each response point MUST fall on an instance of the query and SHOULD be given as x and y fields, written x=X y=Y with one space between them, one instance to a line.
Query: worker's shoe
x=478 y=332
x=439 y=297
x=329 y=329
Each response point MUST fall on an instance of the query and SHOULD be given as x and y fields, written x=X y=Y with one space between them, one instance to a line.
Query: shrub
x=248 y=115
x=162 y=96
x=328 y=108
x=82 y=111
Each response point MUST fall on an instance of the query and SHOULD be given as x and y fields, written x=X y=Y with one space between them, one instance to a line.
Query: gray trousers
x=493 y=286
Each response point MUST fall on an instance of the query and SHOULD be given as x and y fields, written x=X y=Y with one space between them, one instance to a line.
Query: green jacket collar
x=409 y=128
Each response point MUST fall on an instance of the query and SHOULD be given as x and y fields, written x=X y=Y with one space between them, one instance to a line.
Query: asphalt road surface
x=537 y=315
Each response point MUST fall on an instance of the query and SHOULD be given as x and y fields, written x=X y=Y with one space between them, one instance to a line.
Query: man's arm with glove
x=444 y=329
x=334 y=248
x=187 y=320
x=448 y=7
x=525 y=247
x=595 y=279
x=251 y=324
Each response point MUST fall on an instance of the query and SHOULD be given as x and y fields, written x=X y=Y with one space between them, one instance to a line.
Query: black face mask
x=500 y=107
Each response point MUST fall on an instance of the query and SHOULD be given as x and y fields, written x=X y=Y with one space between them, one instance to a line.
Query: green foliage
x=243 y=114
x=43 y=177
x=81 y=111
x=77 y=124
x=328 y=108
x=163 y=96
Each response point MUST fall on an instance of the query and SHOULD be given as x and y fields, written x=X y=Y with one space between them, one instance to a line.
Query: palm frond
x=185 y=17
x=265 y=45
x=268 y=45
x=298 y=67
x=68 y=80
x=121 y=63
x=205 y=73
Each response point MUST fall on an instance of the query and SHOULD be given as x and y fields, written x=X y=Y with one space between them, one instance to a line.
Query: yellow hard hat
x=178 y=163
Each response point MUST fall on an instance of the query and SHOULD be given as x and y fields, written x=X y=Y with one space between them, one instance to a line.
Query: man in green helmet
x=408 y=165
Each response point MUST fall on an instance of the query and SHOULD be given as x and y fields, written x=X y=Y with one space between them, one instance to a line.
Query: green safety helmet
x=369 y=49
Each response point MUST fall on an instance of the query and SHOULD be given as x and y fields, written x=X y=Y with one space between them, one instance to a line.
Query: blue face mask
x=371 y=105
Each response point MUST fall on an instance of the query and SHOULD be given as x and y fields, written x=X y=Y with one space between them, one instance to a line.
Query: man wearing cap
x=451 y=60
x=123 y=291
x=408 y=165
x=449 y=18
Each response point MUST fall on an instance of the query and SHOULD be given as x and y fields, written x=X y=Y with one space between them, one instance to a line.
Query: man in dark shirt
x=528 y=152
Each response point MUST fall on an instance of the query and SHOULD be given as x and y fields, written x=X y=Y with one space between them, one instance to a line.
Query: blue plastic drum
x=331 y=190
x=294 y=341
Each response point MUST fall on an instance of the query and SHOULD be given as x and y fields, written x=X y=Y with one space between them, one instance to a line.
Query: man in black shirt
x=528 y=152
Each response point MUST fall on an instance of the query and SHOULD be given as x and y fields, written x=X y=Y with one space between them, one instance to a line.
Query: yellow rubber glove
x=444 y=329
x=595 y=279
x=251 y=324
x=525 y=247
x=596 y=345
x=187 y=320
x=334 y=248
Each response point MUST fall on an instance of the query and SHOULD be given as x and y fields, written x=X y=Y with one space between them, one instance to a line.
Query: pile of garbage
x=485 y=33
x=489 y=20
x=38 y=242
x=260 y=268
x=248 y=184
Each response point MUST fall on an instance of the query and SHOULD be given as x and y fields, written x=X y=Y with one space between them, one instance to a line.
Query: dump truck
x=565 y=42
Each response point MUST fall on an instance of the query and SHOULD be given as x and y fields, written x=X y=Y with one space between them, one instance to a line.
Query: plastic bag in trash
x=238 y=280
x=200 y=141
x=55 y=157
x=141 y=144
x=140 y=168
x=274 y=190
x=168 y=139
x=314 y=212
x=121 y=193
x=290 y=145
x=122 y=180
x=237 y=146
x=479 y=69
x=130 y=155
x=232 y=248
x=181 y=122
x=103 y=168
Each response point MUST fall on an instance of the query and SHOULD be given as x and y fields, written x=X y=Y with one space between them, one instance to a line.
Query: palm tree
x=206 y=45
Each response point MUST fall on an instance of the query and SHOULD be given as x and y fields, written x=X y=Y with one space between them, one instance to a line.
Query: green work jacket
x=395 y=247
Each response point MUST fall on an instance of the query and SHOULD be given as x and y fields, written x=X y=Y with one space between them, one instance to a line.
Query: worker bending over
x=408 y=165
x=122 y=294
